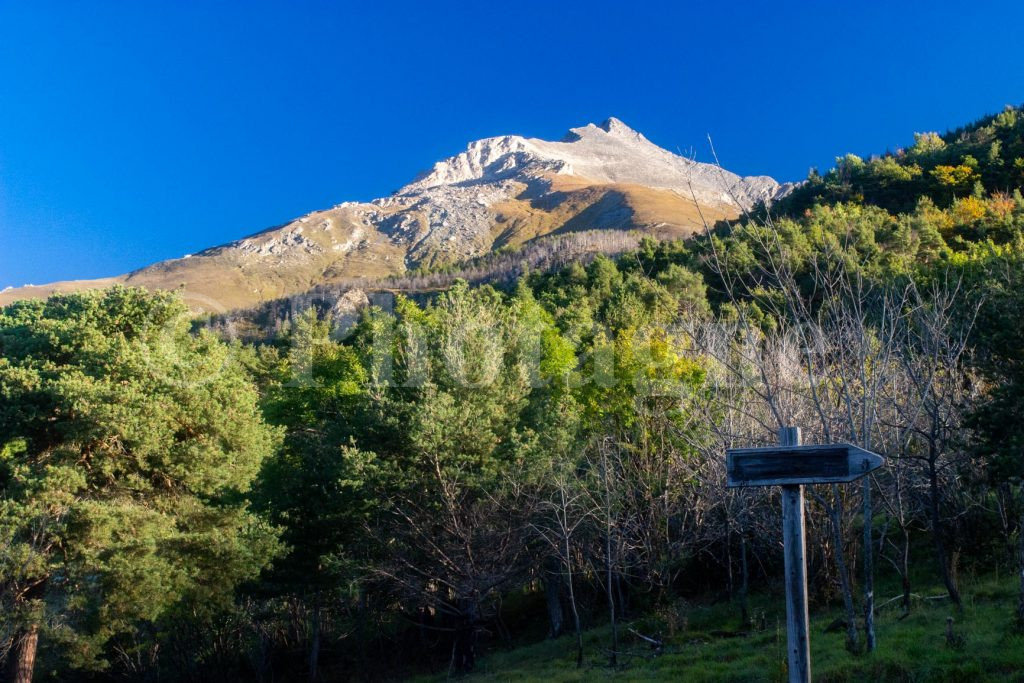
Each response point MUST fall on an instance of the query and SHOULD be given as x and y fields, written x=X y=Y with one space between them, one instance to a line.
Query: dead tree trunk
x=572 y=603
x=744 y=581
x=464 y=651
x=902 y=562
x=941 y=555
x=869 y=570
x=904 y=571
x=551 y=577
x=623 y=611
x=834 y=512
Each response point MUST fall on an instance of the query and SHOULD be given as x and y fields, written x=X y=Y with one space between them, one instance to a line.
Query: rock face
x=609 y=153
x=501 y=191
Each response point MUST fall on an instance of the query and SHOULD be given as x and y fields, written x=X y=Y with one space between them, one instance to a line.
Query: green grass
x=909 y=649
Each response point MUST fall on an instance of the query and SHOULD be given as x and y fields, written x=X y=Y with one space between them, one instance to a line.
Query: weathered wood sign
x=791 y=465
x=782 y=465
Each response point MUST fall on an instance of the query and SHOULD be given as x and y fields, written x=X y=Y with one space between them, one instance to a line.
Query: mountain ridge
x=500 y=191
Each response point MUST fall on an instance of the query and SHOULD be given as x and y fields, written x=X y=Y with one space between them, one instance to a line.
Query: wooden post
x=792 y=465
x=797 y=626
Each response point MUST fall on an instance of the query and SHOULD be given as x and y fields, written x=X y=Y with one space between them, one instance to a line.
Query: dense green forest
x=493 y=465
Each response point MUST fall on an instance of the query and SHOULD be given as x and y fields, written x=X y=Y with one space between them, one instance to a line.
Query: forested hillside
x=492 y=465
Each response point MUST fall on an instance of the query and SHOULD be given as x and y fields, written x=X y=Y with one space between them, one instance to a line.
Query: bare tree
x=933 y=360
x=563 y=515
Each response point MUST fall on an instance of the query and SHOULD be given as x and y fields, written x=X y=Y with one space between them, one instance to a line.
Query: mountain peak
x=506 y=190
x=615 y=126
x=611 y=130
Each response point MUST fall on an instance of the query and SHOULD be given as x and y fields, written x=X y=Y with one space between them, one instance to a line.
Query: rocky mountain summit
x=609 y=153
x=499 y=192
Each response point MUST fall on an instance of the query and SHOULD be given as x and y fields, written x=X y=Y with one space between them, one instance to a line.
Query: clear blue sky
x=136 y=131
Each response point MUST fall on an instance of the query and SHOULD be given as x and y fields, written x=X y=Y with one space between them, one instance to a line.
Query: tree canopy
x=128 y=447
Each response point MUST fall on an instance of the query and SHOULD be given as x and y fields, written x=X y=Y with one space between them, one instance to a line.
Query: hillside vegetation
x=913 y=647
x=538 y=462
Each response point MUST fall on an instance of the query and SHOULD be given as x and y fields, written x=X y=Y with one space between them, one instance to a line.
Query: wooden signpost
x=792 y=465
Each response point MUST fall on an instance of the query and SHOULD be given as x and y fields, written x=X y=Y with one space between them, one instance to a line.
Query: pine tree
x=128 y=446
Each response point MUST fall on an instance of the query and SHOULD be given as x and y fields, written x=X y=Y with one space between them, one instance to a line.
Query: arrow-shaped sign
x=781 y=465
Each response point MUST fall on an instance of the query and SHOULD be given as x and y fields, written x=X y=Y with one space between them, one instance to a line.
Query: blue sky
x=136 y=131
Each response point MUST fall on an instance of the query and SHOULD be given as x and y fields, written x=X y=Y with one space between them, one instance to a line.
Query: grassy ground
x=913 y=648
